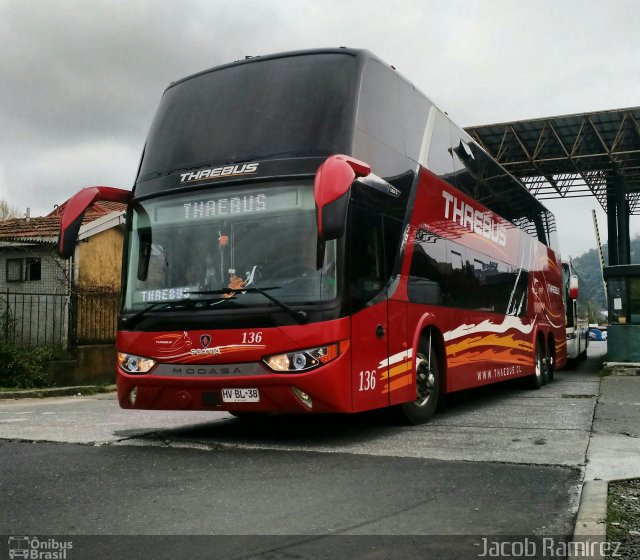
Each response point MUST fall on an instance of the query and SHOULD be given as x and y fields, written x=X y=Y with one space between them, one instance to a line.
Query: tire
x=583 y=354
x=536 y=380
x=543 y=362
x=551 y=365
x=427 y=390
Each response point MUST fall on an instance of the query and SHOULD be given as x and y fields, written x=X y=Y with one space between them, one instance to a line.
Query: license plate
x=240 y=395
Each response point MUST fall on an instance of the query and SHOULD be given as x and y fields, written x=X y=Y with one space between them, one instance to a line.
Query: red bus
x=307 y=232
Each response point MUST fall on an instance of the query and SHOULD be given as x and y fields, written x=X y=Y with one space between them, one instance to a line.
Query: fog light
x=133 y=395
x=302 y=397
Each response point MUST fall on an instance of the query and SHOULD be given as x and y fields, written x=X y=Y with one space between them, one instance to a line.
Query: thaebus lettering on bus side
x=474 y=220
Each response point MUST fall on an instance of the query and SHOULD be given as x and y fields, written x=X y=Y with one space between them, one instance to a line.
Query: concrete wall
x=623 y=343
x=94 y=365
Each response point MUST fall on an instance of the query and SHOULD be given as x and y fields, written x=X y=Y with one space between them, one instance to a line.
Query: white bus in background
x=577 y=328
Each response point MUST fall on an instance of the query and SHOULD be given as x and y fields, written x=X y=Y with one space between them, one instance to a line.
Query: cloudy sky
x=80 y=80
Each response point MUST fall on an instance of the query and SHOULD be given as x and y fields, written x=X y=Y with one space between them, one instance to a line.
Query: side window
x=498 y=287
x=366 y=256
x=391 y=110
x=33 y=270
x=378 y=112
x=24 y=270
x=392 y=236
x=445 y=273
x=440 y=160
x=14 y=270
x=439 y=274
x=427 y=276
x=460 y=276
x=519 y=286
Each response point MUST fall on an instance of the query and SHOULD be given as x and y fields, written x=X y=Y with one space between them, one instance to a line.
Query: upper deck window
x=289 y=106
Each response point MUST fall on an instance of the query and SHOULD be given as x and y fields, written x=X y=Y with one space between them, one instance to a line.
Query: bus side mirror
x=74 y=212
x=331 y=188
x=573 y=287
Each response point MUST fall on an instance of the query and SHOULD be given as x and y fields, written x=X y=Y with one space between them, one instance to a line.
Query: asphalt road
x=497 y=463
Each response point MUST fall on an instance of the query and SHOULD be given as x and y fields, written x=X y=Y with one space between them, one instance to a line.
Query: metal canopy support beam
x=571 y=155
x=576 y=155
x=622 y=211
x=612 y=222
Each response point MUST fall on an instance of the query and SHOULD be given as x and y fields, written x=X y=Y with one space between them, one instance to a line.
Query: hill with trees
x=587 y=265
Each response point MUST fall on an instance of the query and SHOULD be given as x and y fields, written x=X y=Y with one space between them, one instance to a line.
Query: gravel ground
x=623 y=517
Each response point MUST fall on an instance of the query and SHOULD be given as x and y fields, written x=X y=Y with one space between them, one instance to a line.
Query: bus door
x=372 y=246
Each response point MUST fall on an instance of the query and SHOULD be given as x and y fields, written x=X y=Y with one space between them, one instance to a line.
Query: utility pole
x=600 y=253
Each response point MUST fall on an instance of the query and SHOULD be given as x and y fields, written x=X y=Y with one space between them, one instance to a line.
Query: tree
x=7 y=212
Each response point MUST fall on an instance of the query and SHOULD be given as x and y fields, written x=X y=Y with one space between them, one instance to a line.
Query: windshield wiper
x=135 y=318
x=298 y=315
x=130 y=322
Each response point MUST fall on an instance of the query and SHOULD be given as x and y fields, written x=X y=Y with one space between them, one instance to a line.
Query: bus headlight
x=303 y=360
x=135 y=364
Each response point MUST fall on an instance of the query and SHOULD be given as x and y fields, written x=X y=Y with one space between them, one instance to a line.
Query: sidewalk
x=613 y=452
x=79 y=390
x=614 y=449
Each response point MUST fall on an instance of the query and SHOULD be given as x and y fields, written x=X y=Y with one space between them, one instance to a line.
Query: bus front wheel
x=427 y=386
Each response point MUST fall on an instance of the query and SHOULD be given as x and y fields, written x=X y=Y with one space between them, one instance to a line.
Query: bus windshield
x=289 y=106
x=212 y=243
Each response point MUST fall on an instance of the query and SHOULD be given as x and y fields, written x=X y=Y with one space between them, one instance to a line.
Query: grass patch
x=623 y=513
x=605 y=372
x=26 y=368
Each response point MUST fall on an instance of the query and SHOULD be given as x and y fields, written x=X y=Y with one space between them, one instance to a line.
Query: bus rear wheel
x=551 y=366
x=539 y=378
x=424 y=407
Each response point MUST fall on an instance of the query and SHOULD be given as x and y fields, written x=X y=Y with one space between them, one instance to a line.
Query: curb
x=592 y=512
x=591 y=523
x=79 y=390
x=622 y=369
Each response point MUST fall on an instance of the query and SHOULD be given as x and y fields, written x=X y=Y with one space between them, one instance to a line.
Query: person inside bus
x=198 y=255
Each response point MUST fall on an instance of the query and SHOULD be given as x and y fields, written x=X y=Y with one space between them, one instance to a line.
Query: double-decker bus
x=307 y=232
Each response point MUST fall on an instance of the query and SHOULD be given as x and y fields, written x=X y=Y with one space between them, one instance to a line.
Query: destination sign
x=226 y=205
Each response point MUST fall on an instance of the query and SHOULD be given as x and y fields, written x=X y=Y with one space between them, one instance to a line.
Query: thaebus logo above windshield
x=214 y=172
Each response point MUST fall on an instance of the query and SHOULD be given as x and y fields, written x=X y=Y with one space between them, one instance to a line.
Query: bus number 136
x=367 y=380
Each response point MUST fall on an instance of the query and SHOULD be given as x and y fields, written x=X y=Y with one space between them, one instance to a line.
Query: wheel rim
x=538 y=363
x=425 y=381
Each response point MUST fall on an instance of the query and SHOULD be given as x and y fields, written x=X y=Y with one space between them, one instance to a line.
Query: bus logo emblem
x=205 y=340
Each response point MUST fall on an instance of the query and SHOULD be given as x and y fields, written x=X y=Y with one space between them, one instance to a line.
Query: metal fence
x=87 y=316
x=37 y=319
